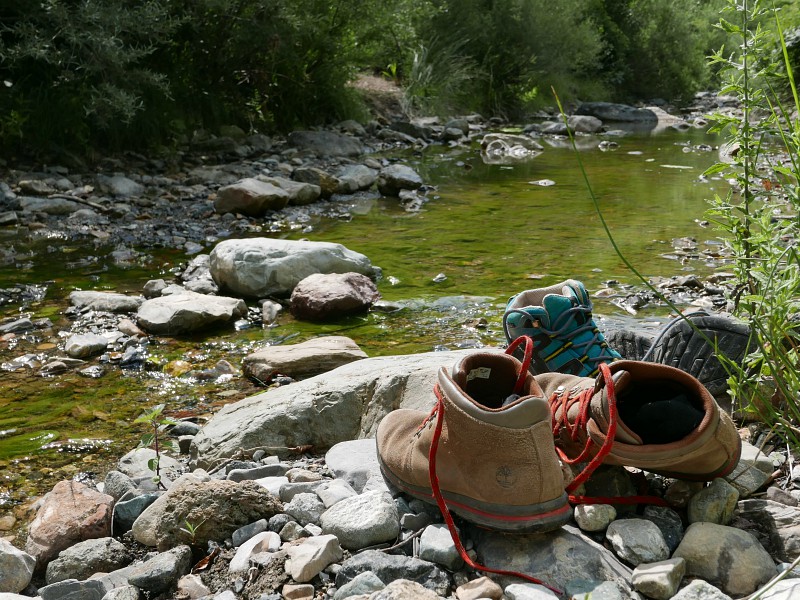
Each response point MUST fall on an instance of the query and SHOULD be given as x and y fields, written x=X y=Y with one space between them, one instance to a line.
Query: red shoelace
x=438 y=412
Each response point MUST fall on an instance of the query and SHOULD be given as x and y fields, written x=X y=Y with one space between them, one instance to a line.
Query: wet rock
x=499 y=148
x=584 y=123
x=71 y=512
x=320 y=296
x=621 y=113
x=341 y=405
x=353 y=178
x=726 y=557
x=390 y=567
x=325 y=143
x=83 y=345
x=260 y=267
x=187 y=312
x=300 y=193
x=251 y=197
x=16 y=568
x=216 y=508
x=714 y=504
x=397 y=177
x=313 y=357
x=105 y=301
x=16 y=326
x=86 y=558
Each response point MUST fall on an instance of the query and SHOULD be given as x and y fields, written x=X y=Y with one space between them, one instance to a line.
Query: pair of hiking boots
x=492 y=447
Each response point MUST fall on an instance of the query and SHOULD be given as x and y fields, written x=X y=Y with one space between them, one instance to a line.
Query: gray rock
x=307 y=559
x=8 y=218
x=333 y=491
x=436 y=545
x=541 y=556
x=755 y=457
x=669 y=522
x=528 y=591
x=50 y=206
x=354 y=461
x=344 y=404
x=192 y=586
x=305 y=508
x=779 y=523
x=260 y=267
x=126 y=592
x=127 y=510
x=788 y=589
x=659 y=580
x=259 y=472
x=135 y=464
x=327 y=183
x=300 y=193
x=16 y=568
x=714 y=504
x=188 y=312
x=637 y=541
x=17 y=326
x=461 y=124
x=82 y=345
x=119 y=185
x=728 y=558
x=325 y=143
x=315 y=356
x=402 y=589
x=216 y=508
x=322 y=296
x=600 y=590
x=244 y=533
x=607 y=111
x=72 y=589
x=105 y=301
x=353 y=178
x=163 y=571
x=389 y=567
x=270 y=311
x=584 y=123
x=398 y=177
x=250 y=197
x=594 y=517
x=117 y=484
x=700 y=590
x=86 y=558
x=290 y=490
x=361 y=521
x=363 y=583
x=415 y=130
x=747 y=479
x=501 y=148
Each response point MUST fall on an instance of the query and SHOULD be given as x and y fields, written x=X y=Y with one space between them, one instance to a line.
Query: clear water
x=488 y=229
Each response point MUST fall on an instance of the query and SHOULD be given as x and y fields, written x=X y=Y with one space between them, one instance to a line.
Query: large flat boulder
x=261 y=267
x=250 y=197
x=344 y=404
x=306 y=359
x=188 y=311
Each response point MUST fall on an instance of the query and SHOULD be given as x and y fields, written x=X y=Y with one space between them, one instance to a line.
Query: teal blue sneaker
x=559 y=320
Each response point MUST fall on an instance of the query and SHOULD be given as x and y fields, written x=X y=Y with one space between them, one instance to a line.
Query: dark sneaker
x=485 y=452
x=559 y=321
x=692 y=343
x=650 y=416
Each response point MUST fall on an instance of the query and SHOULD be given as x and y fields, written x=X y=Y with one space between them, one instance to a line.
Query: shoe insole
x=659 y=412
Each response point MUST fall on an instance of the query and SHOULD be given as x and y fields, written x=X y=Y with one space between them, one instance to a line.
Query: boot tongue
x=558 y=309
x=599 y=410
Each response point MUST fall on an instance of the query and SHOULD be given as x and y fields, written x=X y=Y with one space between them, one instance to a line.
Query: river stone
x=260 y=267
x=726 y=557
x=659 y=580
x=555 y=557
x=391 y=567
x=72 y=589
x=363 y=583
x=325 y=143
x=340 y=405
x=16 y=568
x=69 y=513
x=700 y=590
x=81 y=345
x=713 y=504
x=528 y=591
x=398 y=177
x=306 y=359
x=300 y=193
x=637 y=541
x=594 y=517
x=353 y=178
x=354 y=461
x=436 y=545
x=312 y=555
x=778 y=522
x=187 y=312
x=105 y=301
x=135 y=464
x=584 y=123
x=216 y=508
x=324 y=296
x=162 y=572
x=251 y=197
x=608 y=111
x=327 y=183
x=361 y=521
x=50 y=206
x=86 y=558
x=128 y=509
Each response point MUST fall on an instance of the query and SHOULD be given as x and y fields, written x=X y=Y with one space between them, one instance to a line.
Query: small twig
x=410 y=538
x=78 y=200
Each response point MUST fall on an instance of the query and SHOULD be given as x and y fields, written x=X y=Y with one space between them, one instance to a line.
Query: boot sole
x=533 y=518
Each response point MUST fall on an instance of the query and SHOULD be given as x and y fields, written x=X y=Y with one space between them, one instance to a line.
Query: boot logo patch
x=505 y=476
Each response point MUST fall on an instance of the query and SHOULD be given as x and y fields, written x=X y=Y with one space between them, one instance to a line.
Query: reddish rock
x=70 y=513
x=327 y=296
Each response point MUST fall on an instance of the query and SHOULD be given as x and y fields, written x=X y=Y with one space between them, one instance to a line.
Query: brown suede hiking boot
x=653 y=417
x=490 y=443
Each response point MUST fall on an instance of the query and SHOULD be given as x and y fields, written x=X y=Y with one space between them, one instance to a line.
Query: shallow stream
x=486 y=232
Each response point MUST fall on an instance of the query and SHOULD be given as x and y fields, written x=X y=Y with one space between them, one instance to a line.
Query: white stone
x=81 y=345
x=594 y=517
x=362 y=521
x=331 y=492
x=312 y=555
x=700 y=590
x=266 y=541
x=436 y=545
x=528 y=591
x=187 y=312
x=16 y=568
